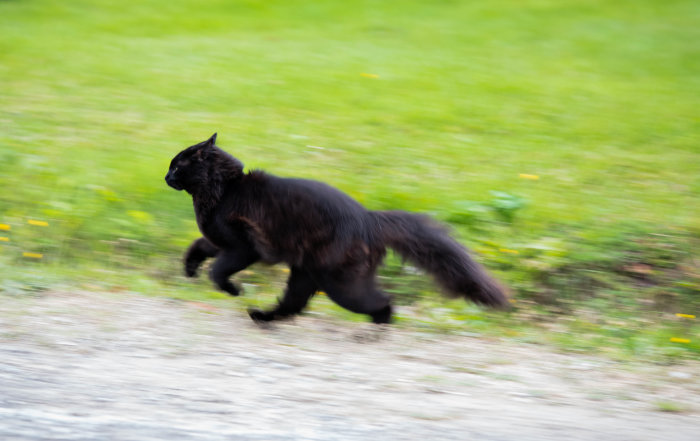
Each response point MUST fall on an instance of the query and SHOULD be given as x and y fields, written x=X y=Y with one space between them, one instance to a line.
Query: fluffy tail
x=425 y=243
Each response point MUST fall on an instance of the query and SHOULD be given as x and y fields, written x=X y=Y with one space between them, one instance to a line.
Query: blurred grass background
x=442 y=107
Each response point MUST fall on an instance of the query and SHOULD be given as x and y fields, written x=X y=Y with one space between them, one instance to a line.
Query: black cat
x=330 y=241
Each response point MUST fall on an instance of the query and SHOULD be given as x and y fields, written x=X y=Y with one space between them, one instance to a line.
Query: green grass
x=599 y=99
x=669 y=406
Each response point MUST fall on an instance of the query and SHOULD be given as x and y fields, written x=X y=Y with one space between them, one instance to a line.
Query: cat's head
x=202 y=165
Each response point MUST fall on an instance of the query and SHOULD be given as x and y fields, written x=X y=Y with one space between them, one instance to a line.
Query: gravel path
x=96 y=366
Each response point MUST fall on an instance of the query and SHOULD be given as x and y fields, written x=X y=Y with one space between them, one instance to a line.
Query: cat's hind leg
x=357 y=293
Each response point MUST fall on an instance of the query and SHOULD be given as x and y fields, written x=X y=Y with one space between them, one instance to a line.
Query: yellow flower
x=4 y=239
x=33 y=255
x=140 y=215
x=679 y=340
x=38 y=223
x=369 y=75
x=688 y=316
x=4 y=227
x=526 y=176
x=506 y=250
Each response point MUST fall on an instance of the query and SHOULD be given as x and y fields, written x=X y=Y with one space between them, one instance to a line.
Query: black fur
x=330 y=241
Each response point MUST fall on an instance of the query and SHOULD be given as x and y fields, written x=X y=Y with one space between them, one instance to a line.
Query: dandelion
x=688 y=316
x=369 y=75
x=38 y=223
x=5 y=227
x=141 y=216
x=33 y=255
x=4 y=239
x=679 y=340
x=507 y=251
x=531 y=177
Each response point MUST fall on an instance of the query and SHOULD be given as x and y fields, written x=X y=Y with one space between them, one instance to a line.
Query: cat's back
x=318 y=196
x=275 y=200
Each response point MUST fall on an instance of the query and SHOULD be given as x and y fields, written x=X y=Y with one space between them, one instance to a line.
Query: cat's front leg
x=200 y=250
x=230 y=262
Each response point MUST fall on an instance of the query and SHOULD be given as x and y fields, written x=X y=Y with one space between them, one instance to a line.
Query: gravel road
x=103 y=366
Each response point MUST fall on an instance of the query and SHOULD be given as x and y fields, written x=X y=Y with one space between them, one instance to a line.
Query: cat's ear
x=211 y=141
x=202 y=149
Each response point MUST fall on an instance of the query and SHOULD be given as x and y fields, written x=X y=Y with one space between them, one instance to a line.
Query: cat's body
x=289 y=227
x=330 y=241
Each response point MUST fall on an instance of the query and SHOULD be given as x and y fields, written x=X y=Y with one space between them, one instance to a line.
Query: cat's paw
x=259 y=315
x=231 y=289
x=191 y=270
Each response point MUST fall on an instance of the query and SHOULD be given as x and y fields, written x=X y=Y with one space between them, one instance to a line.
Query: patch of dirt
x=83 y=366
